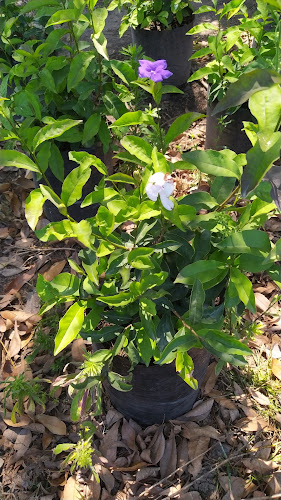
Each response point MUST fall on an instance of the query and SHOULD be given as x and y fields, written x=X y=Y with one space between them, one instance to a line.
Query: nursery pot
x=230 y=136
x=159 y=393
x=75 y=211
x=173 y=45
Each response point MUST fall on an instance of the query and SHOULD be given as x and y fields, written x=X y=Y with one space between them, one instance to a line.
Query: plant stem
x=222 y=205
x=70 y=25
x=160 y=130
x=185 y=324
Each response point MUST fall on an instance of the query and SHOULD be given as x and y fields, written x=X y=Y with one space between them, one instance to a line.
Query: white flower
x=162 y=185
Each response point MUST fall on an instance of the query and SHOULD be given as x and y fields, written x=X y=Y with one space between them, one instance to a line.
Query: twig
x=176 y=470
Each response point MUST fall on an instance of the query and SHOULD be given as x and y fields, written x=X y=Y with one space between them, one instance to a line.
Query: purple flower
x=156 y=70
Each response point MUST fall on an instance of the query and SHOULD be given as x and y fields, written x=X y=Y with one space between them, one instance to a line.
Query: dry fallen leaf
x=234 y=486
x=106 y=477
x=262 y=302
x=191 y=430
x=210 y=379
x=78 y=348
x=4 y=233
x=22 y=443
x=199 y=412
x=109 y=442
x=222 y=400
x=53 y=424
x=129 y=435
x=54 y=270
x=253 y=424
x=47 y=438
x=196 y=450
x=259 y=465
x=71 y=490
x=262 y=449
x=276 y=368
x=15 y=344
x=274 y=484
x=191 y=495
x=147 y=472
x=260 y=398
x=182 y=455
x=168 y=462
x=23 y=421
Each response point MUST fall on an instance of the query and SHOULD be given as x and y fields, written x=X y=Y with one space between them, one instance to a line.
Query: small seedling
x=80 y=456
x=23 y=391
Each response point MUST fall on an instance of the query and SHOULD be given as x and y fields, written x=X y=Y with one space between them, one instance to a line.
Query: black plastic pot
x=231 y=135
x=159 y=393
x=173 y=45
x=75 y=210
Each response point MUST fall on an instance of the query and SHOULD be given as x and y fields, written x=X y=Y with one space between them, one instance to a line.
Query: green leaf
x=119 y=177
x=248 y=241
x=74 y=183
x=34 y=207
x=124 y=70
x=119 y=382
x=78 y=68
x=121 y=299
x=63 y=285
x=64 y=16
x=139 y=258
x=53 y=197
x=10 y=158
x=64 y=446
x=69 y=327
x=100 y=45
x=200 y=73
x=56 y=129
x=199 y=200
x=260 y=159
x=99 y=195
x=105 y=221
x=244 y=289
x=145 y=346
x=56 y=163
x=266 y=108
x=83 y=157
x=247 y=84
x=203 y=270
x=99 y=18
x=183 y=342
x=219 y=163
x=223 y=342
x=180 y=125
x=196 y=303
x=202 y=27
x=138 y=147
x=221 y=188
x=91 y=128
x=185 y=366
x=132 y=118
x=35 y=4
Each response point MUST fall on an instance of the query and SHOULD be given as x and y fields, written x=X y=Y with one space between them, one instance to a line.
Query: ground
x=226 y=448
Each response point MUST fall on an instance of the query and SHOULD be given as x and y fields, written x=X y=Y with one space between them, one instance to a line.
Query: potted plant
x=236 y=50
x=160 y=28
x=64 y=78
x=171 y=288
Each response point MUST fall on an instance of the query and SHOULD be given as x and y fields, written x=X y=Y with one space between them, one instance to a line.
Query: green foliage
x=152 y=13
x=80 y=455
x=23 y=391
